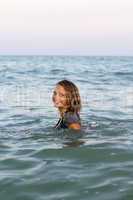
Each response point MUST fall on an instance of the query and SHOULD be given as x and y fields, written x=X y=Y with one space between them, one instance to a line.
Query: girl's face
x=59 y=97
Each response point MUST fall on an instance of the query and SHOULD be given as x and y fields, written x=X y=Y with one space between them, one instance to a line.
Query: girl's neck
x=62 y=111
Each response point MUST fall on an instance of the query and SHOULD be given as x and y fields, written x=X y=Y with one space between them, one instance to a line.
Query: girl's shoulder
x=70 y=117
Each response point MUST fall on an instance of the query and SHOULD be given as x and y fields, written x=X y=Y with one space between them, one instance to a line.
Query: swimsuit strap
x=58 y=123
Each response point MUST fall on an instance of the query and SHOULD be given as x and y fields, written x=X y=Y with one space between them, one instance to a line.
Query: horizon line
x=68 y=55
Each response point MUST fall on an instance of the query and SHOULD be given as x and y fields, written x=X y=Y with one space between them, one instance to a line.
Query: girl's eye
x=54 y=93
x=62 y=95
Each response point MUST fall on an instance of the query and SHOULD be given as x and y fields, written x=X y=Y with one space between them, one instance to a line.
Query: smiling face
x=66 y=97
x=59 y=97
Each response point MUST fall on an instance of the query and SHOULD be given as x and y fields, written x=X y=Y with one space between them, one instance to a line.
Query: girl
x=67 y=99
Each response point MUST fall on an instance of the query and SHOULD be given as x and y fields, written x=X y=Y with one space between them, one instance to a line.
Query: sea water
x=38 y=162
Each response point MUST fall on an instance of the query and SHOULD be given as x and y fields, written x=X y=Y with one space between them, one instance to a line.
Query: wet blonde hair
x=73 y=99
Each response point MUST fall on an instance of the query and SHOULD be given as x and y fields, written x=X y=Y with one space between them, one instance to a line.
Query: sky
x=66 y=27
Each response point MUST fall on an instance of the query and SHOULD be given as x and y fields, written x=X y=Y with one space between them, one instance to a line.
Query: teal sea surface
x=38 y=162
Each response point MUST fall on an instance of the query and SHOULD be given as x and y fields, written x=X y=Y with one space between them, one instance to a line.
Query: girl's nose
x=56 y=97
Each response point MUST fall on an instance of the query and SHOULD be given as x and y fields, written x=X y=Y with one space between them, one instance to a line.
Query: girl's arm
x=75 y=126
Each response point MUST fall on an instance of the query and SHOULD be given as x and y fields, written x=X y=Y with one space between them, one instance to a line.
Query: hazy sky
x=72 y=27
